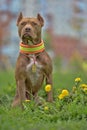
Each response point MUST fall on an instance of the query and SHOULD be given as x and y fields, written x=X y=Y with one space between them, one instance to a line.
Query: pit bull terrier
x=33 y=63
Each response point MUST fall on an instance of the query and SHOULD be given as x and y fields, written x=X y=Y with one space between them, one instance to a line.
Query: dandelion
x=65 y=92
x=48 y=88
x=27 y=100
x=61 y=96
x=85 y=90
x=83 y=86
x=46 y=108
x=77 y=79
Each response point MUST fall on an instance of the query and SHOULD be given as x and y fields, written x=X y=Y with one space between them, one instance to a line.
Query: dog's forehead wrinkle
x=30 y=20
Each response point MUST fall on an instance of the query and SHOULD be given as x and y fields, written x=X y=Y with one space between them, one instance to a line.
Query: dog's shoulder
x=45 y=57
x=46 y=61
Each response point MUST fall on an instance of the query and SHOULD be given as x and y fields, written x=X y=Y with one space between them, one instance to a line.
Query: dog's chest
x=34 y=70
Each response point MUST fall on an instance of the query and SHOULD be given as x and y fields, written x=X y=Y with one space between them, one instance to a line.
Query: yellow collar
x=32 y=49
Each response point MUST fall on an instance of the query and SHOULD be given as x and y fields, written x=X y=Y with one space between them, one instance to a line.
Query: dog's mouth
x=27 y=38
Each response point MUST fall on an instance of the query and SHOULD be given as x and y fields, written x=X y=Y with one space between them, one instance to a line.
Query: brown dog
x=33 y=64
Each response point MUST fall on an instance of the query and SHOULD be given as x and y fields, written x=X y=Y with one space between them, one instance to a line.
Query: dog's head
x=29 y=29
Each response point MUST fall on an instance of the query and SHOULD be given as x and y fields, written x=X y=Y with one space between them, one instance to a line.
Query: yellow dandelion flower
x=83 y=85
x=48 y=88
x=46 y=108
x=65 y=92
x=61 y=96
x=77 y=79
x=27 y=100
x=85 y=90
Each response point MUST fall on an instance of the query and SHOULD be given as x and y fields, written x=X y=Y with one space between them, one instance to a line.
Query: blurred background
x=64 y=33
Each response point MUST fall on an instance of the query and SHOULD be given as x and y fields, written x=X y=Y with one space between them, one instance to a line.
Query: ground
x=68 y=113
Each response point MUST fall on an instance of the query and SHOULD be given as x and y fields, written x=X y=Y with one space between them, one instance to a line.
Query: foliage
x=69 y=112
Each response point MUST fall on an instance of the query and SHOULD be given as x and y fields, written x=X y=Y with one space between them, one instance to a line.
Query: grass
x=69 y=113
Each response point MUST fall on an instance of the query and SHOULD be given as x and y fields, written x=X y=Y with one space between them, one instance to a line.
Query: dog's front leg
x=49 y=94
x=21 y=90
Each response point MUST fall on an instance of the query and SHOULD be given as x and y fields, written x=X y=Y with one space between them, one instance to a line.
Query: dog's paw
x=16 y=103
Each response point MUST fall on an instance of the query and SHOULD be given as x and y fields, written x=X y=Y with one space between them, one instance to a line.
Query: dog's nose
x=27 y=29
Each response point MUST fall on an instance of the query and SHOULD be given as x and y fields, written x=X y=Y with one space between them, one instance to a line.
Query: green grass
x=61 y=114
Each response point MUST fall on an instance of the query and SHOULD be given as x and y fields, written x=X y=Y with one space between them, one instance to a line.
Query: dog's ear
x=41 y=20
x=19 y=18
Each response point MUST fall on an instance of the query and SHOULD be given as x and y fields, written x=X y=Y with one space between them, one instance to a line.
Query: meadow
x=66 y=112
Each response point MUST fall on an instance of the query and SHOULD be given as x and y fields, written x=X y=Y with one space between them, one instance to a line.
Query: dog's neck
x=32 y=49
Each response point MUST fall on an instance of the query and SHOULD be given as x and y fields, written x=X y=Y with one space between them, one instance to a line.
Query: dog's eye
x=33 y=23
x=23 y=23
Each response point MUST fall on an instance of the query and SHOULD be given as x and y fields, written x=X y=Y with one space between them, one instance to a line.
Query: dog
x=33 y=65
